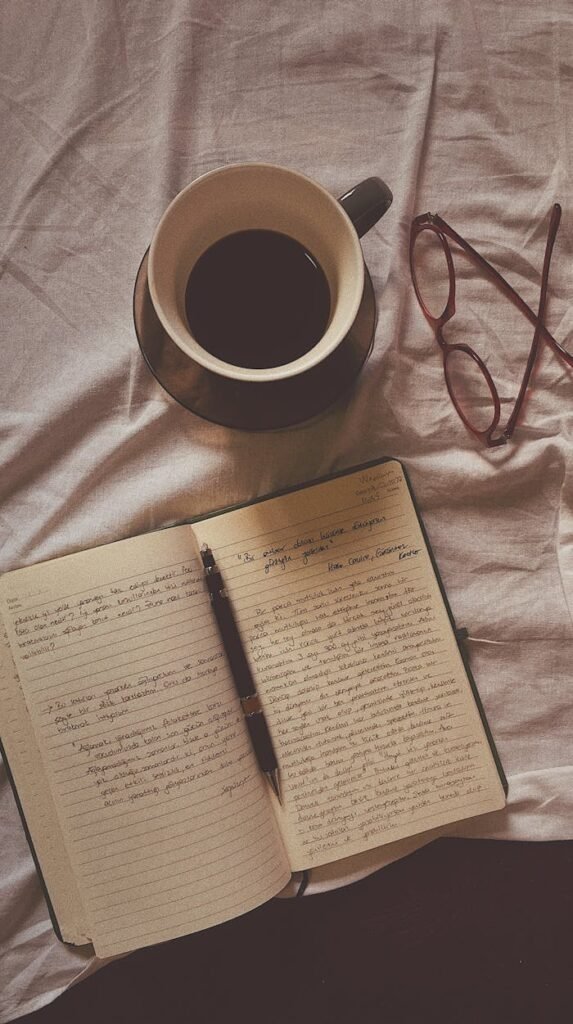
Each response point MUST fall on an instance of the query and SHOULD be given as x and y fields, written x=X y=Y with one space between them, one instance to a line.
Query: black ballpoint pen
x=244 y=682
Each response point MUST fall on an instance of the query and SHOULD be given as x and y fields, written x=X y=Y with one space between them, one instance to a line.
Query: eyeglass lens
x=431 y=272
x=467 y=382
x=469 y=389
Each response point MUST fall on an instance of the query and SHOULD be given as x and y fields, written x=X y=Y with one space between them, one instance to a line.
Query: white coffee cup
x=248 y=196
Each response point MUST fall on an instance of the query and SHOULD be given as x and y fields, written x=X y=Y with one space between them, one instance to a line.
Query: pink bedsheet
x=465 y=109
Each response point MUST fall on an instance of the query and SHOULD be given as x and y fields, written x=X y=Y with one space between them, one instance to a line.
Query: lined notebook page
x=163 y=810
x=377 y=733
x=23 y=756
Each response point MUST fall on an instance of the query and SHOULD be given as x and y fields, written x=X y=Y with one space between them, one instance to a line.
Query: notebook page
x=161 y=804
x=23 y=757
x=377 y=733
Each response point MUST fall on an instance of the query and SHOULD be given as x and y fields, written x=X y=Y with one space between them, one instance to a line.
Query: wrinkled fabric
x=108 y=109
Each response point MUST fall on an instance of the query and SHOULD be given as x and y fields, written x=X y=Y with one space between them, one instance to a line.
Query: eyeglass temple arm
x=539 y=326
x=503 y=284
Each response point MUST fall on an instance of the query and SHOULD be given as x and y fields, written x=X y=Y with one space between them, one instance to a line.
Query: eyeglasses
x=453 y=353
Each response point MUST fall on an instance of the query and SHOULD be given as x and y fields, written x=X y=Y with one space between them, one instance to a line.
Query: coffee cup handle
x=366 y=203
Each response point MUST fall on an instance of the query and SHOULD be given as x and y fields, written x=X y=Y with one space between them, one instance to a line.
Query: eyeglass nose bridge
x=425 y=223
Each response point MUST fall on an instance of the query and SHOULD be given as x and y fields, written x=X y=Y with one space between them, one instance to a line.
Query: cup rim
x=231 y=370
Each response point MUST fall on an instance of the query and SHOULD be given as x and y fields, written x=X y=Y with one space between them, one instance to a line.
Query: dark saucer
x=243 y=404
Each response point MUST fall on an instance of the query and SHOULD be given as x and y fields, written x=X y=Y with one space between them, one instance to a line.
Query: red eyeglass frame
x=432 y=222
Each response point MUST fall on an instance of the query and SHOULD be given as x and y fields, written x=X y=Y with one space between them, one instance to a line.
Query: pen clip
x=213 y=577
x=207 y=557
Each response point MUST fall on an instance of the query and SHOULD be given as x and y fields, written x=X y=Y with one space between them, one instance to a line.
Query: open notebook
x=144 y=804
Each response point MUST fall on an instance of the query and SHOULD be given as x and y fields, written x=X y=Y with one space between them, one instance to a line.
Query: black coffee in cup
x=257 y=299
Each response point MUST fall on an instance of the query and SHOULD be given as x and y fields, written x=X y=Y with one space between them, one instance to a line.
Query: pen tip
x=273 y=778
